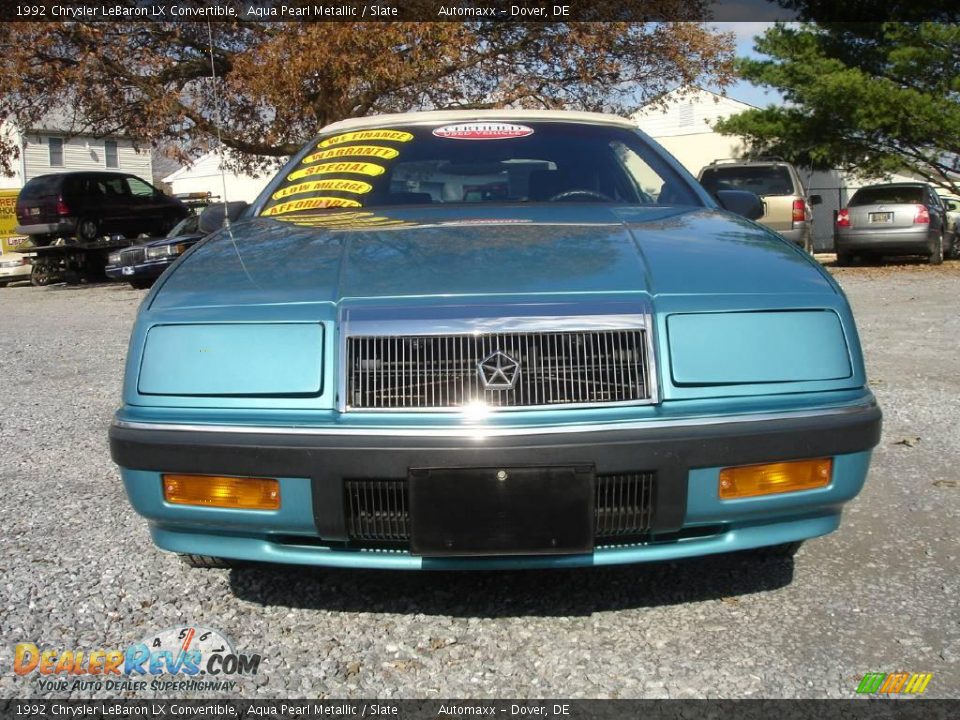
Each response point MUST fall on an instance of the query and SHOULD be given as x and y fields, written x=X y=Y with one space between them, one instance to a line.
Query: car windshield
x=185 y=227
x=890 y=195
x=478 y=162
x=760 y=180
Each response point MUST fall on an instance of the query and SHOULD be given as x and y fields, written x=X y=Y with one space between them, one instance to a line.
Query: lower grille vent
x=378 y=511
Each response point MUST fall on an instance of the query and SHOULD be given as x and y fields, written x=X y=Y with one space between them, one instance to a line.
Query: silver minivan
x=892 y=219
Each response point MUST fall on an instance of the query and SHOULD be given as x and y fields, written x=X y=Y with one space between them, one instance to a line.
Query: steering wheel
x=582 y=193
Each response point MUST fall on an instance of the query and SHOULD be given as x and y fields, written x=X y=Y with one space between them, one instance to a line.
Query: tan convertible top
x=460 y=116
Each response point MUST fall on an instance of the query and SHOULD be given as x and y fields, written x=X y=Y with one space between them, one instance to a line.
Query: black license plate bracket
x=501 y=510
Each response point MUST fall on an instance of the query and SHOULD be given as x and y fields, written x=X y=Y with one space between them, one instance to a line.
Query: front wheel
x=207 y=562
x=781 y=552
x=141 y=284
x=936 y=256
x=954 y=249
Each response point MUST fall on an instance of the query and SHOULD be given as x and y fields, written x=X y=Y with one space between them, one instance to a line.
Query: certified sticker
x=483 y=131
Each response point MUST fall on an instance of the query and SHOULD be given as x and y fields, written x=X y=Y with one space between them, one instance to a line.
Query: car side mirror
x=213 y=216
x=741 y=202
x=815 y=199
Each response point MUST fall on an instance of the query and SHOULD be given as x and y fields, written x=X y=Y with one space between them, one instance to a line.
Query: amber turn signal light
x=772 y=478
x=223 y=492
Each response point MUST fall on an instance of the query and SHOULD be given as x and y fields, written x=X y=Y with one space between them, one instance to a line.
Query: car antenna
x=216 y=103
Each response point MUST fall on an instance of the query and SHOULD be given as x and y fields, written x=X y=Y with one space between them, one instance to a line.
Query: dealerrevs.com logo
x=175 y=659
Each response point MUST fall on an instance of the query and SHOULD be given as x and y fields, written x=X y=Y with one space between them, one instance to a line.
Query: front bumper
x=313 y=463
x=141 y=271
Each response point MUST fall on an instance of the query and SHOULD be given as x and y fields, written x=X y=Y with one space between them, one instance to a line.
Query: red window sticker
x=483 y=131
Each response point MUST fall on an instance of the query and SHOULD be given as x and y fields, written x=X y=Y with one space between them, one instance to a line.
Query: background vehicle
x=951 y=203
x=892 y=219
x=145 y=260
x=787 y=209
x=88 y=205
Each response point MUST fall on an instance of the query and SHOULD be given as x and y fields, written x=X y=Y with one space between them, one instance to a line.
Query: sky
x=742 y=90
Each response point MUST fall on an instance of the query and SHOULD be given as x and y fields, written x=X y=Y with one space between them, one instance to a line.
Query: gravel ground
x=77 y=568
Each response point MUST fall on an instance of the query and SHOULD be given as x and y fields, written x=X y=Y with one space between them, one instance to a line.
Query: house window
x=110 y=153
x=56 y=151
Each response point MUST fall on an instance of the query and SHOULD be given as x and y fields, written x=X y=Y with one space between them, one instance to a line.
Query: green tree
x=869 y=99
x=280 y=82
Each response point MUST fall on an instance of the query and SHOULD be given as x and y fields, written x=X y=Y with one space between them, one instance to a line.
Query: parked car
x=951 y=204
x=786 y=207
x=88 y=205
x=491 y=339
x=892 y=219
x=14 y=267
x=144 y=261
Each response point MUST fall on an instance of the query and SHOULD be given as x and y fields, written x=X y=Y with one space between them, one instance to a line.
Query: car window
x=762 y=180
x=113 y=187
x=890 y=195
x=951 y=205
x=42 y=186
x=488 y=162
x=138 y=188
x=186 y=226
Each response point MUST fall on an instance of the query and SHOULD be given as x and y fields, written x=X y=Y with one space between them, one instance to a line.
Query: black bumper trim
x=670 y=451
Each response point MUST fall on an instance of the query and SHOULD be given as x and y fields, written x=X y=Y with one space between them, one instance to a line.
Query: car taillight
x=62 y=207
x=923 y=216
x=799 y=210
x=843 y=218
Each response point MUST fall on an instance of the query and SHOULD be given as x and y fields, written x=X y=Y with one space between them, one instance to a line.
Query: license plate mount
x=501 y=511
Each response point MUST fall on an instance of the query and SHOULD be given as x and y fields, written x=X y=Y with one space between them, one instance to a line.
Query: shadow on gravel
x=544 y=593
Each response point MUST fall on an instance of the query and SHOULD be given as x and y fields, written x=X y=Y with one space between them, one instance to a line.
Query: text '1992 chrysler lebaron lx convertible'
x=491 y=339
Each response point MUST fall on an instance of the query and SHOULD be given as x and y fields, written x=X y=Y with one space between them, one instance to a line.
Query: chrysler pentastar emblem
x=498 y=371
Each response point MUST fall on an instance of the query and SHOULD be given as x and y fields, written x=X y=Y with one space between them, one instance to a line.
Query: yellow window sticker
x=351 y=151
x=363 y=135
x=358 y=187
x=309 y=204
x=359 y=168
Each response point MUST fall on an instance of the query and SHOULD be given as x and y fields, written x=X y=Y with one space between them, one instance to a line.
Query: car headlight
x=164 y=251
x=113 y=258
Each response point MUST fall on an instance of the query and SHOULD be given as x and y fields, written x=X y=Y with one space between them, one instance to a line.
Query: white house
x=204 y=176
x=58 y=144
x=684 y=126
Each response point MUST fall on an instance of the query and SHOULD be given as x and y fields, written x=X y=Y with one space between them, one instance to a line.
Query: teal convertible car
x=494 y=339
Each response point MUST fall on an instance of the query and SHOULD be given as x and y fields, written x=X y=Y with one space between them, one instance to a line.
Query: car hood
x=488 y=251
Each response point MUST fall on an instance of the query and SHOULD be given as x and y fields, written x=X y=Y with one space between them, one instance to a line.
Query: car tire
x=782 y=552
x=40 y=276
x=88 y=229
x=844 y=259
x=207 y=562
x=954 y=247
x=141 y=284
x=936 y=257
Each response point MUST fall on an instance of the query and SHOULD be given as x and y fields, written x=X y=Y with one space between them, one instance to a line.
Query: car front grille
x=377 y=510
x=546 y=368
x=132 y=256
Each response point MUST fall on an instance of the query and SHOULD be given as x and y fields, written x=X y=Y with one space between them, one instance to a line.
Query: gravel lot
x=77 y=568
